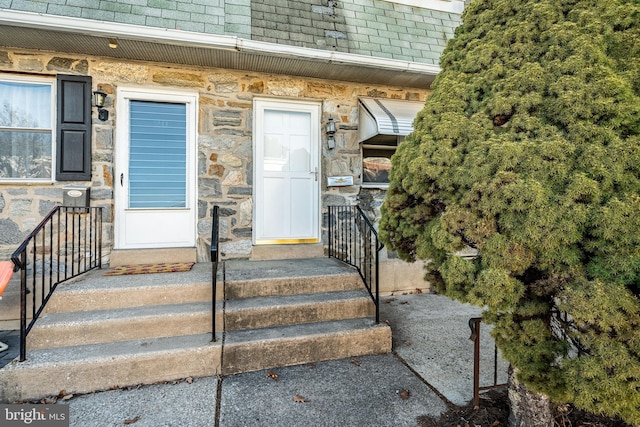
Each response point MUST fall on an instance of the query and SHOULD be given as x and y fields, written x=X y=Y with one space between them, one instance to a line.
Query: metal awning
x=385 y=119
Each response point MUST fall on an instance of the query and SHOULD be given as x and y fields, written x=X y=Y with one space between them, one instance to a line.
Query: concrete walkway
x=431 y=368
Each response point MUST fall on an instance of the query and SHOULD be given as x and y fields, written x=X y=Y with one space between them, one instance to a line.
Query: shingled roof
x=366 y=27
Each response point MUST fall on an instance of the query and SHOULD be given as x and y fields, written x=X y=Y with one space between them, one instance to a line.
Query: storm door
x=287 y=172
x=155 y=170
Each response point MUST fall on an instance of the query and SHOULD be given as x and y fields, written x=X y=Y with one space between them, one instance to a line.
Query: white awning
x=383 y=116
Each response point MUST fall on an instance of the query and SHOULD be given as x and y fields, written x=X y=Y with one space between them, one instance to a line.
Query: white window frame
x=43 y=81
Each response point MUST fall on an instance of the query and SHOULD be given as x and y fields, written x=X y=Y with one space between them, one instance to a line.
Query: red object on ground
x=6 y=271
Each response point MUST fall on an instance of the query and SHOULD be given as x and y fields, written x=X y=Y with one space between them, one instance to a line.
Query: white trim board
x=453 y=6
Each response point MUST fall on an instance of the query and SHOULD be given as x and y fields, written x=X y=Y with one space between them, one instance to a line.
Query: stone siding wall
x=225 y=147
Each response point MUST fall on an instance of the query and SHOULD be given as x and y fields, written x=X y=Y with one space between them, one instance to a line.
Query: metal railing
x=215 y=258
x=66 y=244
x=474 y=325
x=354 y=240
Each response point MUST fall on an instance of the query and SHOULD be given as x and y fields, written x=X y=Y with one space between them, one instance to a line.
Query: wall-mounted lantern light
x=331 y=131
x=98 y=100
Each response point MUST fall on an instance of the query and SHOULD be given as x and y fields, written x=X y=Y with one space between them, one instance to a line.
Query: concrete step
x=287 y=251
x=264 y=312
x=83 y=369
x=104 y=331
x=123 y=324
x=95 y=291
x=119 y=257
x=256 y=349
x=247 y=279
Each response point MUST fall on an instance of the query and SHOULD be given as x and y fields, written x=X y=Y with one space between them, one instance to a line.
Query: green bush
x=528 y=150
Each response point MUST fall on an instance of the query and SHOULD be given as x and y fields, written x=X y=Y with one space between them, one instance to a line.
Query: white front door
x=287 y=148
x=155 y=169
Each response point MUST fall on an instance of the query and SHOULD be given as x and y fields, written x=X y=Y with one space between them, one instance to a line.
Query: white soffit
x=382 y=116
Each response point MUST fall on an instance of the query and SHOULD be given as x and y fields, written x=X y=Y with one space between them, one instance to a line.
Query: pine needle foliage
x=528 y=150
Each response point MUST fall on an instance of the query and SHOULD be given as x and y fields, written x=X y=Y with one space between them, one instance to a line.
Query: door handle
x=121 y=179
x=315 y=173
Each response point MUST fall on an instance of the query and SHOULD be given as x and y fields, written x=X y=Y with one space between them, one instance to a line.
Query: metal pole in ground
x=474 y=324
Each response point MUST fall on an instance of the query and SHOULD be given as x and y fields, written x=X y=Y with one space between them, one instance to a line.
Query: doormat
x=170 y=267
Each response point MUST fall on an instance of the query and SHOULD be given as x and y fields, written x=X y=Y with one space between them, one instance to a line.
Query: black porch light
x=331 y=131
x=99 y=97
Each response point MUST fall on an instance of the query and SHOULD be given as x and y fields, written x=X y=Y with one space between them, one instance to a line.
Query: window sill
x=25 y=182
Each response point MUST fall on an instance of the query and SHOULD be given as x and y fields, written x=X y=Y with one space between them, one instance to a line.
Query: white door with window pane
x=287 y=171
x=155 y=170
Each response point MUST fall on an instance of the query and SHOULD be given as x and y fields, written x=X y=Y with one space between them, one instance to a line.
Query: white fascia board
x=192 y=39
x=337 y=57
x=245 y=45
x=453 y=6
x=386 y=63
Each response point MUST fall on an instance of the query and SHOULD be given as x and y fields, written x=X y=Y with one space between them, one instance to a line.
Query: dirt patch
x=493 y=411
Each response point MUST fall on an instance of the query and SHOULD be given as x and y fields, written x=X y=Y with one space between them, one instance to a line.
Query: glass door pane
x=157 y=155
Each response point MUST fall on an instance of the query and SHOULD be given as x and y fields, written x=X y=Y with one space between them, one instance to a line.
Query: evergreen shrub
x=528 y=151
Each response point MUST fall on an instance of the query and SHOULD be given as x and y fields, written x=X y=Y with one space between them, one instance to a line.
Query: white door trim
x=260 y=105
x=188 y=220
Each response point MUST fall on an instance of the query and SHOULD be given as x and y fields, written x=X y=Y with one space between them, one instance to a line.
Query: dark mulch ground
x=494 y=412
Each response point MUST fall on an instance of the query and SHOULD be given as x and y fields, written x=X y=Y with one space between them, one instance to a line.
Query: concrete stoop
x=102 y=332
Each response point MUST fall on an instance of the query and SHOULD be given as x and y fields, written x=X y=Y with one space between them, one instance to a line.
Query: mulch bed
x=494 y=412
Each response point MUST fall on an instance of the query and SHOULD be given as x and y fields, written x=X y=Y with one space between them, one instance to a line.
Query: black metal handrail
x=66 y=244
x=354 y=240
x=215 y=257
x=474 y=325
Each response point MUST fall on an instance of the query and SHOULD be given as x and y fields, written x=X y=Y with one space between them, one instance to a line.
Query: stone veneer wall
x=225 y=150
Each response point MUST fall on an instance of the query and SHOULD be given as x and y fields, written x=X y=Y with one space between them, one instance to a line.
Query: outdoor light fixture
x=113 y=43
x=98 y=100
x=331 y=131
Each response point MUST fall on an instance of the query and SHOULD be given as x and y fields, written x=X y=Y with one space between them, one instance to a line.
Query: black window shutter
x=73 y=150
